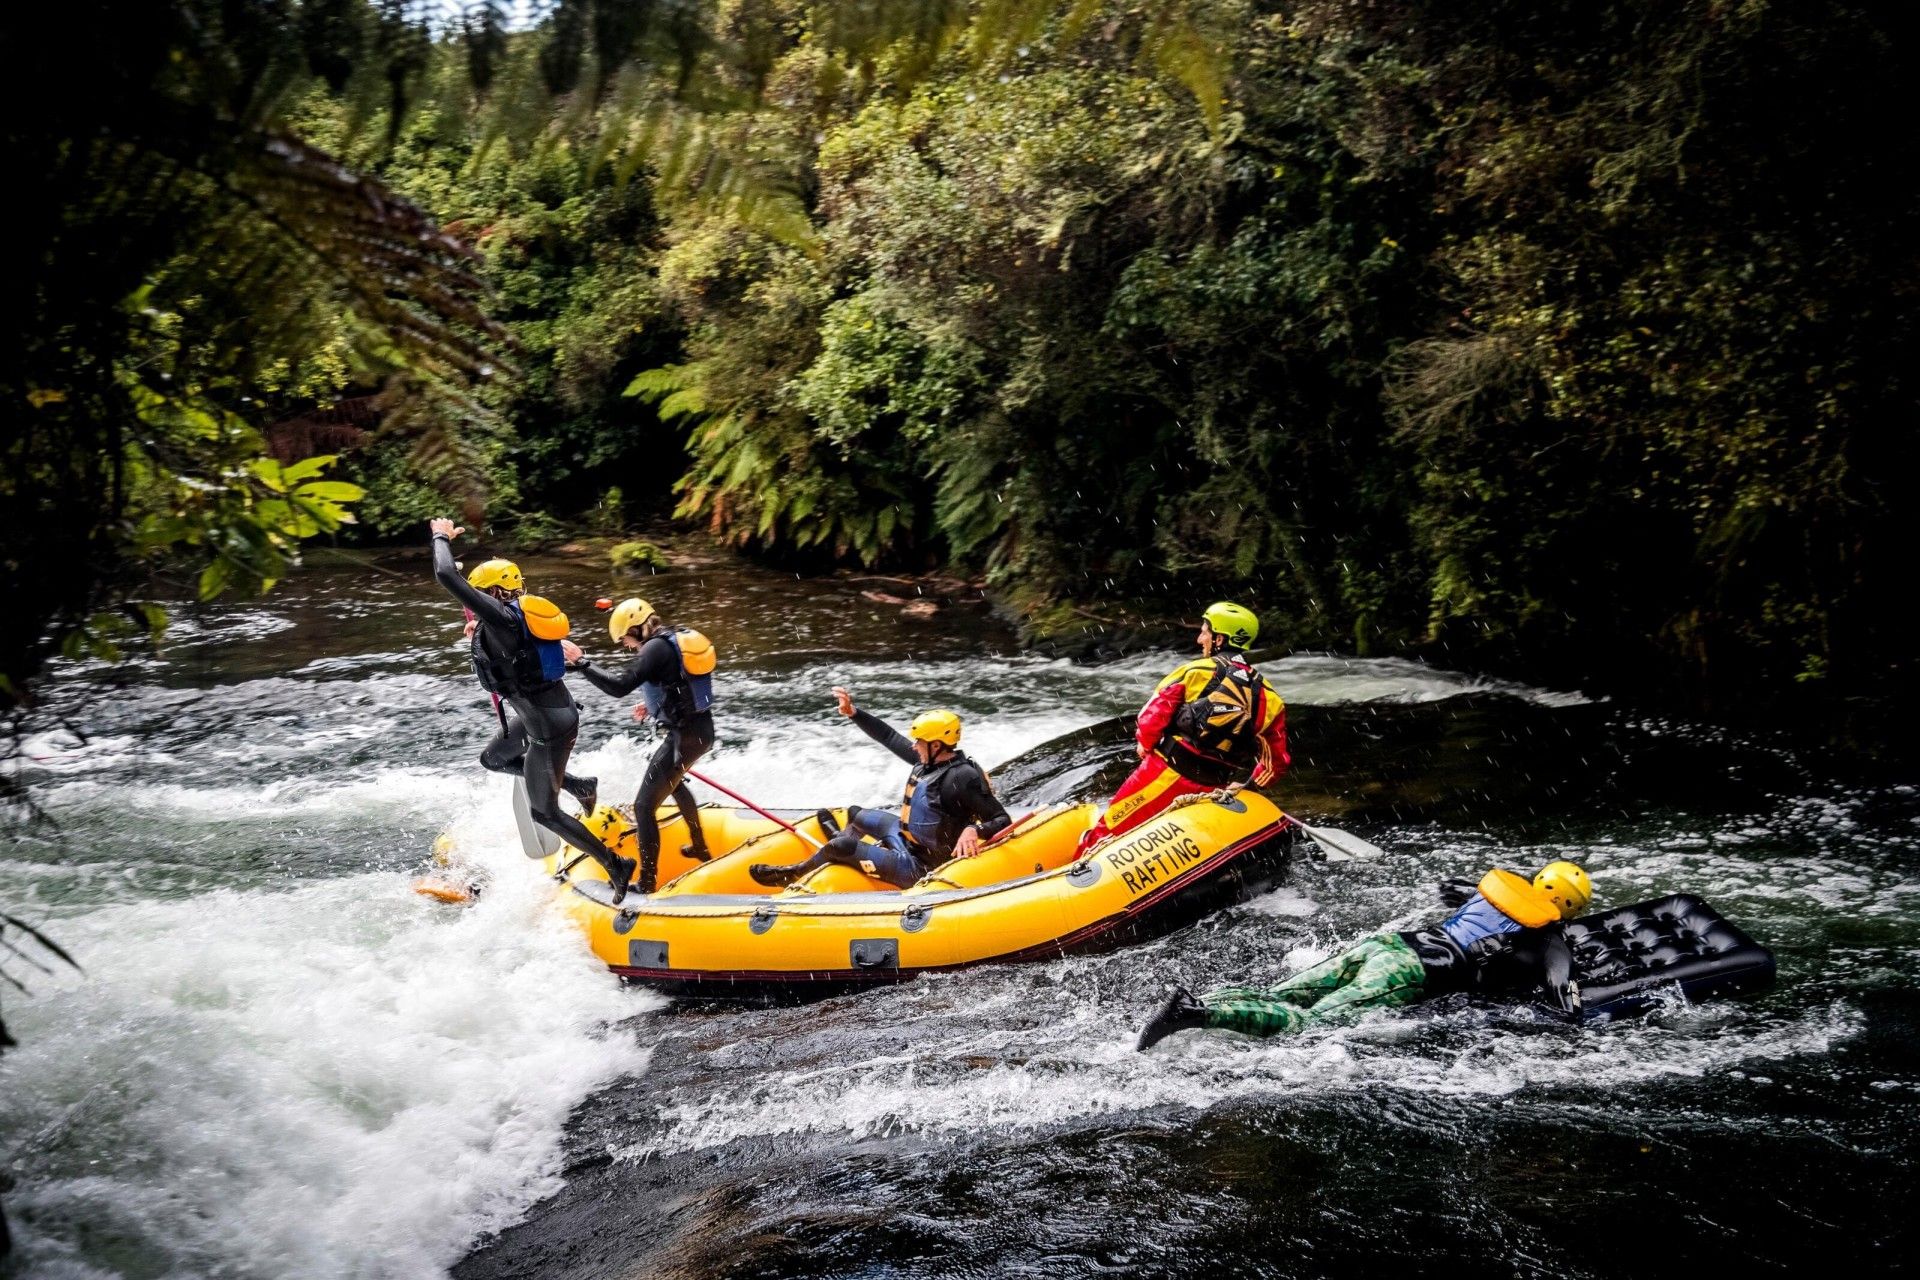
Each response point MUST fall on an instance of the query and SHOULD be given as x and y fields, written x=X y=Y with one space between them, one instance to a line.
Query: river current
x=280 y=1062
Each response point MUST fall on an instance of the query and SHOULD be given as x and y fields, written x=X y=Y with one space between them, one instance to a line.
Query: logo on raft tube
x=1156 y=853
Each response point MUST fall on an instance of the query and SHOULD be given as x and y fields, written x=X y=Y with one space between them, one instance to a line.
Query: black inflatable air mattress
x=1623 y=959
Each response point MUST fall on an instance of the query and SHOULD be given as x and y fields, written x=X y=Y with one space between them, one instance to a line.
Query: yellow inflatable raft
x=1023 y=897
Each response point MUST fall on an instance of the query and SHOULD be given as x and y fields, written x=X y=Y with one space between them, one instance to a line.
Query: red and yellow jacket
x=1217 y=720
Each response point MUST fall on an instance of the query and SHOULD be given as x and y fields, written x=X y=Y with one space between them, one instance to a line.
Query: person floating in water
x=673 y=669
x=949 y=809
x=1505 y=938
x=517 y=656
x=1212 y=722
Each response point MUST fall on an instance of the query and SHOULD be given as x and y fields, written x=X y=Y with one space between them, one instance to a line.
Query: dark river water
x=280 y=1062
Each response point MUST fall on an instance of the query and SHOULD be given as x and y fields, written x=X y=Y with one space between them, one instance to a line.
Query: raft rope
x=879 y=902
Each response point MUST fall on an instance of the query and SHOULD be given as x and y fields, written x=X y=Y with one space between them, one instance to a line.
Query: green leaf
x=330 y=491
x=214 y=579
x=267 y=471
x=307 y=468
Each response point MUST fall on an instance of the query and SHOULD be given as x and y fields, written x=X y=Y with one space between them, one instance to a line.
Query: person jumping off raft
x=673 y=669
x=948 y=811
x=517 y=655
x=1507 y=938
x=1212 y=722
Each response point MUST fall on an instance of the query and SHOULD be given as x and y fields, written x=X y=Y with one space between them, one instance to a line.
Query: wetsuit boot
x=649 y=869
x=585 y=790
x=620 y=876
x=696 y=848
x=1180 y=1012
x=778 y=877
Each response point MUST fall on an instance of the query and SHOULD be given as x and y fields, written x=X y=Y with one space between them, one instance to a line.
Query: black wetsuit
x=689 y=735
x=1526 y=964
x=536 y=739
x=944 y=799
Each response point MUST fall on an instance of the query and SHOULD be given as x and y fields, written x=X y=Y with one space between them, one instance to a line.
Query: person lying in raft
x=1505 y=938
x=1212 y=722
x=517 y=655
x=673 y=669
x=948 y=810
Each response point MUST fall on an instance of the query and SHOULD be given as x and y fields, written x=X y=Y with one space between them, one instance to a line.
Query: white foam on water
x=1085 y=1065
x=378 y=794
x=335 y=1077
x=343 y=1079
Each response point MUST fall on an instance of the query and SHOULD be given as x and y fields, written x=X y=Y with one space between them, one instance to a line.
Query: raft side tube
x=881 y=942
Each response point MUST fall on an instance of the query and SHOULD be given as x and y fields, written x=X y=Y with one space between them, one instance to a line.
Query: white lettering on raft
x=1159 y=851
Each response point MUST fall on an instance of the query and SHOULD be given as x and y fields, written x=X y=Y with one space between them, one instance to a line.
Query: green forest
x=1558 y=339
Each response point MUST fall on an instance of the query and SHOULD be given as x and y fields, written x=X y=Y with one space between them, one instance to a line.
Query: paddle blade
x=1343 y=846
x=535 y=840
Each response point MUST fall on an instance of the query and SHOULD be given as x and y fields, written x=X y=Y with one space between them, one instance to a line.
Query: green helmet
x=1233 y=623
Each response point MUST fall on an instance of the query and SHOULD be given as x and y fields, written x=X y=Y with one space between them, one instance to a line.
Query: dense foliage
x=1559 y=337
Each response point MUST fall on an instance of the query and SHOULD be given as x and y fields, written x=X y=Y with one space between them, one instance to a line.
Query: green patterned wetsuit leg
x=1378 y=973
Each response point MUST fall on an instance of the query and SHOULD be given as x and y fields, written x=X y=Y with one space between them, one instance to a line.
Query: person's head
x=498 y=578
x=1228 y=626
x=1566 y=886
x=633 y=622
x=935 y=734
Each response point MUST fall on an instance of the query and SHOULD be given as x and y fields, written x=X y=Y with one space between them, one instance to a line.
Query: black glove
x=1454 y=893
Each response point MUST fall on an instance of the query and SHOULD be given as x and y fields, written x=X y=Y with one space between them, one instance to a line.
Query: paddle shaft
x=701 y=777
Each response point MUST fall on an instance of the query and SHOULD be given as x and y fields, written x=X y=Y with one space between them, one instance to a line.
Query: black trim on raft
x=1240 y=872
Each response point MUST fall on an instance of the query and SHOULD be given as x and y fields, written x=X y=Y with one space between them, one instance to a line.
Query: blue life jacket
x=920 y=811
x=1475 y=920
x=533 y=666
x=681 y=698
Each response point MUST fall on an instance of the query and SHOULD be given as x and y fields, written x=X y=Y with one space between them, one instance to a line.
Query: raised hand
x=440 y=526
x=846 y=699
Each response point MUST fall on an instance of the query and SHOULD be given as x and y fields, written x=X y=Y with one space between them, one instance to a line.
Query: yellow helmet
x=1566 y=886
x=628 y=614
x=936 y=726
x=489 y=574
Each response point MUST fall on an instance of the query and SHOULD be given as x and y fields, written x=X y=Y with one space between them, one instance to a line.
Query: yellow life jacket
x=1214 y=738
x=544 y=619
x=689 y=692
x=1516 y=898
x=696 y=652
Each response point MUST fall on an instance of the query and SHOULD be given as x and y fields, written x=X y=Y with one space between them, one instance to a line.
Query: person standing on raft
x=948 y=811
x=517 y=653
x=673 y=669
x=1212 y=722
x=1507 y=937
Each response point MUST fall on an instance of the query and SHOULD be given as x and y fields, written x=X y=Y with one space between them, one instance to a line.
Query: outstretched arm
x=490 y=611
x=652 y=665
x=886 y=735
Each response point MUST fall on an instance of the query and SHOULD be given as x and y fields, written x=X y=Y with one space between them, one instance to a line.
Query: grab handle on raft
x=701 y=777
